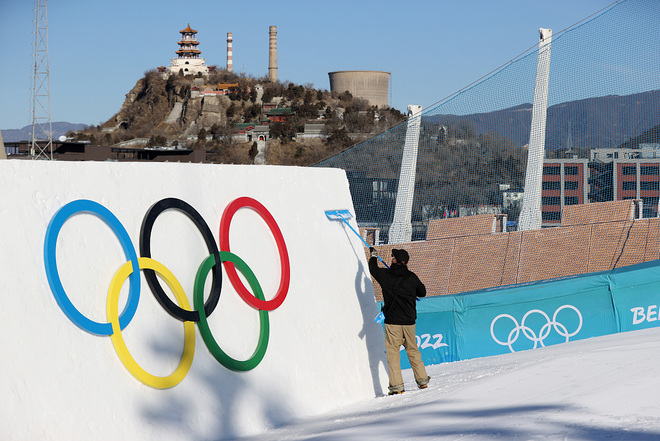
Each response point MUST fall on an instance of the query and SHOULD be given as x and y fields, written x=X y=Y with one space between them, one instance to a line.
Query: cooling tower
x=371 y=85
x=230 y=53
x=272 y=55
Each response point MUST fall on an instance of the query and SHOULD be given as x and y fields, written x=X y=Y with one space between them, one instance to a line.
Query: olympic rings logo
x=183 y=312
x=529 y=332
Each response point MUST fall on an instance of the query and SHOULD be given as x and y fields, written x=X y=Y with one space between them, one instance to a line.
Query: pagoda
x=188 y=58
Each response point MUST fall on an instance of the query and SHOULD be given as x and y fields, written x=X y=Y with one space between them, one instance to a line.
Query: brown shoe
x=423 y=384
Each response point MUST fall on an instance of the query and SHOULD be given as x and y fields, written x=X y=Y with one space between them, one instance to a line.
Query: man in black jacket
x=401 y=287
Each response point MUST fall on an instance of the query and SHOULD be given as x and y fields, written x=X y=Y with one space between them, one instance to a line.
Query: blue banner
x=636 y=296
x=532 y=315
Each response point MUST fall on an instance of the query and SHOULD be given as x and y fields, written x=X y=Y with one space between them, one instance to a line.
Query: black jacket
x=401 y=287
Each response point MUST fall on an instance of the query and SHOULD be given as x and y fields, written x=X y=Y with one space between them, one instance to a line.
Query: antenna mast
x=42 y=131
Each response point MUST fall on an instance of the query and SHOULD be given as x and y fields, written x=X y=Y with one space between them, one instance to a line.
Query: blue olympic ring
x=50 y=261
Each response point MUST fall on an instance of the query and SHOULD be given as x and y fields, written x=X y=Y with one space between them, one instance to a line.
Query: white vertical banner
x=530 y=214
x=401 y=229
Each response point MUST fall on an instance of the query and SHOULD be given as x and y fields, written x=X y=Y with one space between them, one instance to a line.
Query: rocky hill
x=217 y=113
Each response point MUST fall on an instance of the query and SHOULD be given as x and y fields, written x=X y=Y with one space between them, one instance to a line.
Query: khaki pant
x=395 y=336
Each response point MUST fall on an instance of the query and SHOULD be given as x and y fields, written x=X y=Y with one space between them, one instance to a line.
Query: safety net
x=467 y=154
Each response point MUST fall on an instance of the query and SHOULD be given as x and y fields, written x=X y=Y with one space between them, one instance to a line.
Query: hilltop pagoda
x=188 y=58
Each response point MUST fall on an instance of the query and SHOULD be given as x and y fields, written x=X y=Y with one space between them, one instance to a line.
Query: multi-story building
x=619 y=174
x=628 y=179
x=565 y=182
x=611 y=174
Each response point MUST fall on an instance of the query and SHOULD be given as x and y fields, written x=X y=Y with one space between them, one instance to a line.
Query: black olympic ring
x=145 y=250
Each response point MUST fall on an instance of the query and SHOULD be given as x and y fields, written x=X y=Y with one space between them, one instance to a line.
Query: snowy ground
x=605 y=388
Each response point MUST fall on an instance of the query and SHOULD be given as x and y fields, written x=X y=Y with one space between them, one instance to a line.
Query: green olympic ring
x=203 y=325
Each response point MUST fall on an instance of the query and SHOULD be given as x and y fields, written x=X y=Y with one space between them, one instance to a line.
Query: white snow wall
x=61 y=382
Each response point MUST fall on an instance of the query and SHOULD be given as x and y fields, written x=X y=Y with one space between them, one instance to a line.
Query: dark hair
x=401 y=256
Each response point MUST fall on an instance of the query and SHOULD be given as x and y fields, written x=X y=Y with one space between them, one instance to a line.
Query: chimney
x=230 y=55
x=272 y=59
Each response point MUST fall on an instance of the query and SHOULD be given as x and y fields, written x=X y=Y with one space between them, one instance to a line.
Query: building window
x=552 y=170
x=629 y=170
x=649 y=170
x=571 y=185
x=649 y=185
x=571 y=200
x=551 y=215
x=571 y=170
x=550 y=200
x=648 y=212
x=650 y=203
x=551 y=185
x=629 y=185
x=379 y=190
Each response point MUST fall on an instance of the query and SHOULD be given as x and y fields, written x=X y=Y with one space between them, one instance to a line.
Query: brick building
x=620 y=174
x=565 y=182
x=628 y=179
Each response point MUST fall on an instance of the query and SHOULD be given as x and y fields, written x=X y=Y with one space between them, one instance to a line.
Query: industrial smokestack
x=272 y=59
x=230 y=55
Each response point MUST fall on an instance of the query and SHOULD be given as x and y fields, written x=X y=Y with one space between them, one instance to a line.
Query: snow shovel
x=344 y=215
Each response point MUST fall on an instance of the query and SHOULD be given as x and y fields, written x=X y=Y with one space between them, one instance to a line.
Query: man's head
x=400 y=256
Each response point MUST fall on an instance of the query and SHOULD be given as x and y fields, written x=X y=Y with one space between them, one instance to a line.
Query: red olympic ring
x=247 y=296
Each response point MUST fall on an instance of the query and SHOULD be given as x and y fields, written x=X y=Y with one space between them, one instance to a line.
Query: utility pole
x=41 y=146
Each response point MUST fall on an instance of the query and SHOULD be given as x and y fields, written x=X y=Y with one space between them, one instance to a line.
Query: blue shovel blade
x=338 y=214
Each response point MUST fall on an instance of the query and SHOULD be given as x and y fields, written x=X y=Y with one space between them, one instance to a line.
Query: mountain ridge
x=597 y=122
x=25 y=133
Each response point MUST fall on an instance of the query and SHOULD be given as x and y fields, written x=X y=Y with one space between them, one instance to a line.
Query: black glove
x=373 y=252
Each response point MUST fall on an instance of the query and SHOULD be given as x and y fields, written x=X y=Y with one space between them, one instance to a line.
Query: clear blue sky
x=99 y=49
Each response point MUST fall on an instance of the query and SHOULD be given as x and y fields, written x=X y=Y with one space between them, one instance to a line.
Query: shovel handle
x=364 y=241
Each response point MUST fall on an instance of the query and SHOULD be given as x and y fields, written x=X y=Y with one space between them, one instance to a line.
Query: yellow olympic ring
x=118 y=341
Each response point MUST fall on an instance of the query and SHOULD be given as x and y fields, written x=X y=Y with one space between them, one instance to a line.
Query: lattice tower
x=42 y=134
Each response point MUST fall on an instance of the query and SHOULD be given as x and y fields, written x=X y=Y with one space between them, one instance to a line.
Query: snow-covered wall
x=62 y=382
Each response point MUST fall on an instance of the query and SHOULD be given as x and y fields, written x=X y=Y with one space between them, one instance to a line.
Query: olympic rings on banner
x=528 y=332
x=183 y=312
